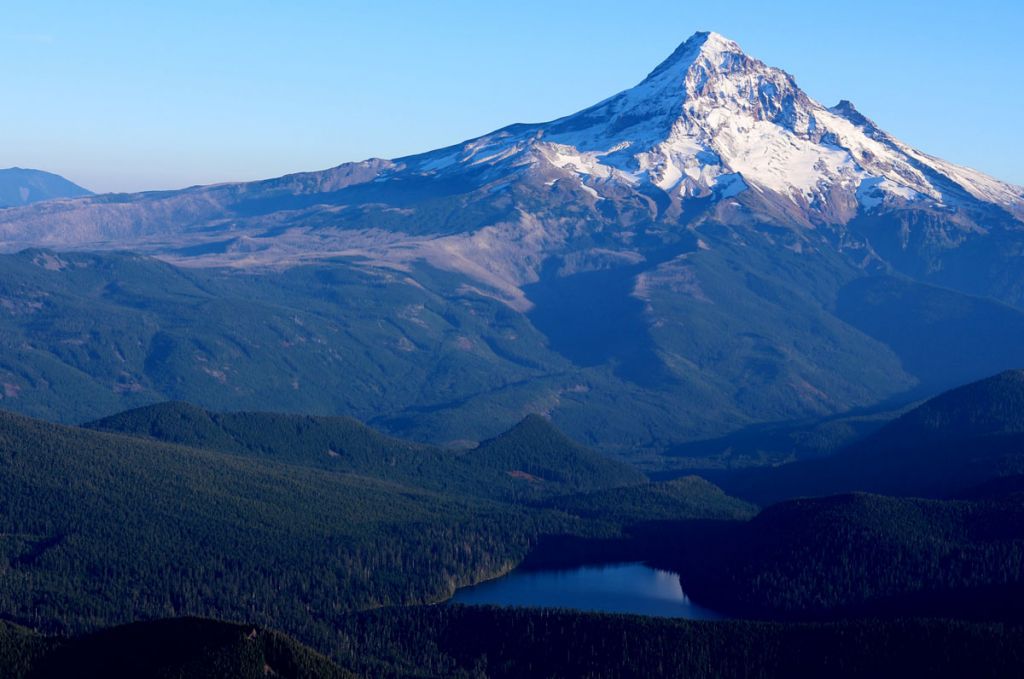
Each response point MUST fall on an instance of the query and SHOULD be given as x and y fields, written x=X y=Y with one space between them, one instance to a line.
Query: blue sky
x=124 y=96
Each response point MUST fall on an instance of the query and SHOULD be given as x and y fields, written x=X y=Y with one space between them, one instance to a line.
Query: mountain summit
x=713 y=245
x=19 y=186
x=712 y=121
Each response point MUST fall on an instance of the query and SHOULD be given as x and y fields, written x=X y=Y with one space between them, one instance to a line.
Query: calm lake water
x=615 y=588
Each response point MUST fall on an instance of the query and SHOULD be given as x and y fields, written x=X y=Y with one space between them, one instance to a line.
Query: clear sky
x=124 y=96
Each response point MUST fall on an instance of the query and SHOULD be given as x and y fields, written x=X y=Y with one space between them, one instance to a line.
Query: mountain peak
x=711 y=42
x=21 y=186
x=706 y=45
x=645 y=115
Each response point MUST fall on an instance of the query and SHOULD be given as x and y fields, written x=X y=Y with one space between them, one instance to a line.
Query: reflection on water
x=616 y=588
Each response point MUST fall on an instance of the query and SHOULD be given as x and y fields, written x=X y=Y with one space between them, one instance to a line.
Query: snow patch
x=873 y=192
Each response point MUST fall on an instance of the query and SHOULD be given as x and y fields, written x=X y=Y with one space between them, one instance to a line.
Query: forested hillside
x=186 y=648
x=298 y=523
x=957 y=440
x=455 y=641
x=532 y=460
x=475 y=643
x=690 y=497
x=102 y=528
x=856 y=555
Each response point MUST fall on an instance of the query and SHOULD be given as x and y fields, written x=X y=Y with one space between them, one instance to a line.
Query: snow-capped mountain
x=713 y=243
x=711 y=133
x=712 y=121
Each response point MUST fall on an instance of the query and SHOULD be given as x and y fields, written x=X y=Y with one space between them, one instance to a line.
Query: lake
x=611 y=588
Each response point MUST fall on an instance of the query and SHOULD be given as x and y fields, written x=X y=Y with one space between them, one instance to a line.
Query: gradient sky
x=126 y=96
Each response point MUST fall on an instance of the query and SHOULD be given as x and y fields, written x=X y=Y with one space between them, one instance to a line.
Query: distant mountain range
x=712 y=247
x=19 y=186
